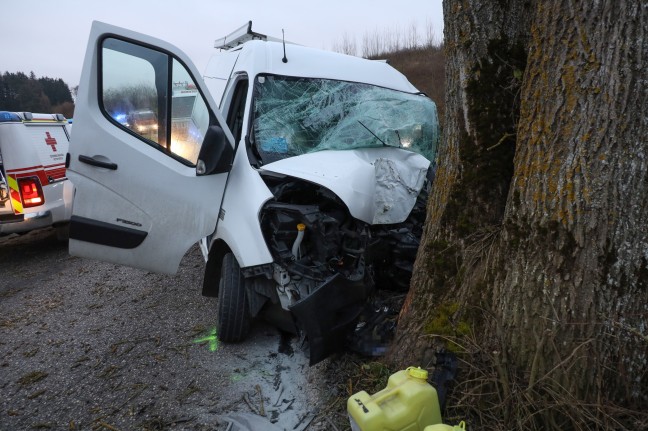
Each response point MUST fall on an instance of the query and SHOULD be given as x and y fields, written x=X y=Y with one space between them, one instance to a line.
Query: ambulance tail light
x=31 y=192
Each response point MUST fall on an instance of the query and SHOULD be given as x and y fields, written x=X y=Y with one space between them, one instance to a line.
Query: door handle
x=94 y=162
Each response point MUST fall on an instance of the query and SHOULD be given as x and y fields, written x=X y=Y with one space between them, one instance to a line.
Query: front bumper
x=328 y=314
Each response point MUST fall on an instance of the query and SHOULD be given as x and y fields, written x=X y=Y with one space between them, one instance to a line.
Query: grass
x=489 y=394
x=349 y=374
x=492 y=394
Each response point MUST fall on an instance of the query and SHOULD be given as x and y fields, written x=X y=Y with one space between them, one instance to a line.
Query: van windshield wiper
x=374 y=135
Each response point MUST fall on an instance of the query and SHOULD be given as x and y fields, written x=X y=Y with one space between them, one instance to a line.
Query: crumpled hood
x=378 y=185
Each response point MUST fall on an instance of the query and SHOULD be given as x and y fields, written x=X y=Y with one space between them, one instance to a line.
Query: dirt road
x=89 y=345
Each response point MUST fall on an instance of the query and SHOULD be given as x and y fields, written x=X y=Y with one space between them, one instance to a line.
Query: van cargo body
x=34 y=189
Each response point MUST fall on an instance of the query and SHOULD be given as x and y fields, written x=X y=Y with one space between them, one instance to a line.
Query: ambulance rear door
x=50 y=141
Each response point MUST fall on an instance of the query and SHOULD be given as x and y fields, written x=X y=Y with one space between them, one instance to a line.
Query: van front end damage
x=344 y=147
x=327 y=263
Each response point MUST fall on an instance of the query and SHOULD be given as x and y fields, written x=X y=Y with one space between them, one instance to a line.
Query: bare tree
x=347 y=45
x=373 y=44
x=391 y=41
x=430 y=34
x=412 y=36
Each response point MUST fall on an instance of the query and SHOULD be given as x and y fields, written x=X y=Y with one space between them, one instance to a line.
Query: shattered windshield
x=294 y=116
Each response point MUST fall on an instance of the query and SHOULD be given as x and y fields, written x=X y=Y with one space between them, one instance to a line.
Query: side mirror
x=216 y=154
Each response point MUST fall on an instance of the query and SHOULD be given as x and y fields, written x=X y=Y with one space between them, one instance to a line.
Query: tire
x=233 y=312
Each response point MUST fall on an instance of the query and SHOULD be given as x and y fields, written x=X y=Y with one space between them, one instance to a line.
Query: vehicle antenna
x=283 y=39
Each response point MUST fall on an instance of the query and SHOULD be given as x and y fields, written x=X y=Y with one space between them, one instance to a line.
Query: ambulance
x=34 y=190
x=302 y=173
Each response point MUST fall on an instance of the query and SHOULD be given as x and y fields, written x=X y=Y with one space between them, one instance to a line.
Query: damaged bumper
x=327 y=315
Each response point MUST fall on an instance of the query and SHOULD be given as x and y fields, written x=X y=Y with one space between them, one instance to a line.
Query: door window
x=153 y=96
x=189 y=115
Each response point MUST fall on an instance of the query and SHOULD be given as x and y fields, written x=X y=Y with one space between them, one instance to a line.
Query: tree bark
x=536 y=242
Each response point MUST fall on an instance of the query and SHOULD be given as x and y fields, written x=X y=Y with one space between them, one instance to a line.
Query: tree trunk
x=535 y=250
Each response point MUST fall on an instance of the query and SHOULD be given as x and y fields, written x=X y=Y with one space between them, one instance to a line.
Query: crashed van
x=302 y=174
x=34 y=190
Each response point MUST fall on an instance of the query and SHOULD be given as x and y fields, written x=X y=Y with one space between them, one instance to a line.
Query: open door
x=149 y=155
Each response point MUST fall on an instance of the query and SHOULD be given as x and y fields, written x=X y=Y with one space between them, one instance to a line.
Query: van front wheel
x=233 y=312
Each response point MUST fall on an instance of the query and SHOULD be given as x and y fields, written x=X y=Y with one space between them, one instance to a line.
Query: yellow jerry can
x=408 y=403
x=444 y=427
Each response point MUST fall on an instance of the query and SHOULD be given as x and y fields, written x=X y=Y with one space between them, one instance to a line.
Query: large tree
x=534 y=261
x=56 y=90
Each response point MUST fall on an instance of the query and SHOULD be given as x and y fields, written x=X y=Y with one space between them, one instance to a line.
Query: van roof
x=266 y=57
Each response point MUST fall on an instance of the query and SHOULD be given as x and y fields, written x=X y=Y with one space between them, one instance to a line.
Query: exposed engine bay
x=327 y=264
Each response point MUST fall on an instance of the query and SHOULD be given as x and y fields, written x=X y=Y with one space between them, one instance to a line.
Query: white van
x=34 y=189
x=303 y=174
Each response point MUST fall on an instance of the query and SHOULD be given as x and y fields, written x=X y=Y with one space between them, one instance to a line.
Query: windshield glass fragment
x=294 y=116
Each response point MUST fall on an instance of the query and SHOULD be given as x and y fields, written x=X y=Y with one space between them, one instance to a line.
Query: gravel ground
x=86 y=345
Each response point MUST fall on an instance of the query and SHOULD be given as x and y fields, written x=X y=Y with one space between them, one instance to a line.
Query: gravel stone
x=86 y=345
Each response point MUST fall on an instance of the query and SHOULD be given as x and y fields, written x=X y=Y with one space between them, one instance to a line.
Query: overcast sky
x=49 y=37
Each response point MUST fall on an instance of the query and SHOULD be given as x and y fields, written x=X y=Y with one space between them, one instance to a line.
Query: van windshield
x=294 y=116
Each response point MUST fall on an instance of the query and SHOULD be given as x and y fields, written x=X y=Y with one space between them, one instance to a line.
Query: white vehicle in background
x=34 y=189
x=307 y=193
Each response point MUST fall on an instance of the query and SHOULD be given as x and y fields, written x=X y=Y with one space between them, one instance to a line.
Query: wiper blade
x=374 y=135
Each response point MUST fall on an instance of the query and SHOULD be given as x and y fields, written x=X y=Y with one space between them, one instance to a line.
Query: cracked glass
x=294 y=116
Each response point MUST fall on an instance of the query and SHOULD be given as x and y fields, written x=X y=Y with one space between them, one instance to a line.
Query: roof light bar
x=6 y=117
